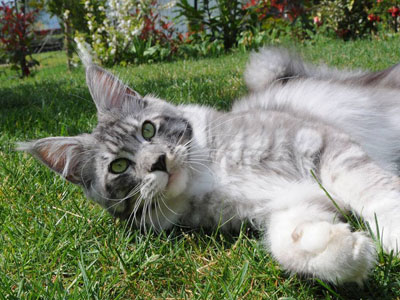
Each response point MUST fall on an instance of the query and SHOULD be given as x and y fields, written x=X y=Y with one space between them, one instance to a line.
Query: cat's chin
x=177 y=183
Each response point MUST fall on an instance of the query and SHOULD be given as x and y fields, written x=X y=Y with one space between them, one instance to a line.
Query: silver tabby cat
x=159 y=165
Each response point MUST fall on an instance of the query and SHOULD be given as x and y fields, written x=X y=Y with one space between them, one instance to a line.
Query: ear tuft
x=84 y=50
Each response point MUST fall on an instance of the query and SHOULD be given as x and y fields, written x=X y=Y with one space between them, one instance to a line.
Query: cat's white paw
x=332 y=252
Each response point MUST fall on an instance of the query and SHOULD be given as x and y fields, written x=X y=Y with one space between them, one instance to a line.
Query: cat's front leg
x=306 y=236
x=359 y=184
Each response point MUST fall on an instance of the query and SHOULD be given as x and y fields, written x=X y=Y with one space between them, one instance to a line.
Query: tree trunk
x=22 y=52
x=24 y=66
x=68 y=42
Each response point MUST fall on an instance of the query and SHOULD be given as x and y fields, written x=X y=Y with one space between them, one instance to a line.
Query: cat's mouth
x=170 y=187
x=176 y=172
x=172 y=177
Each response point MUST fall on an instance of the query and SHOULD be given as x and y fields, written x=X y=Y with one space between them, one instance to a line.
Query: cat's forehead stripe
x=130 y=122
x=121 y=130
x=117 y=130
x=128 y=128
x=108 y=140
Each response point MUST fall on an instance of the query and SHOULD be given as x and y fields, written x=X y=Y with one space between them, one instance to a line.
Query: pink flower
x=317 y=21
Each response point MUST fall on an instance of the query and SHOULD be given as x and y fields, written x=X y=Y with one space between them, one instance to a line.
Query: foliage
x=122 y=31
x=74 y=9
x=346 y=18
x=302 y=20
x=224 y=21
x=135 y=31
x=16 y=37
x=246 y=24
x=199 y=45
x=70 y=13
x=274 y=30
x=386 y=15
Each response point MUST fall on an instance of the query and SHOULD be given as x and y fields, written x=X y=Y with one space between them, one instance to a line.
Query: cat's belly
x=250 y=158
x=230 y=200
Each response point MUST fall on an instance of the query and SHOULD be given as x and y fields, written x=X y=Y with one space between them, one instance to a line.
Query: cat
x=158 y=165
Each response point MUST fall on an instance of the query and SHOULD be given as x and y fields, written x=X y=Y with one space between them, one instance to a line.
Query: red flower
x=395 y=11
x=249 y=4
x=262 y=16
x=16 y=35
x=280 y=5
x=373 y=18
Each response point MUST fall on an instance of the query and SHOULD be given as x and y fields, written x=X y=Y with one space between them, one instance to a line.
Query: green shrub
x=346 y=18
x=123 y=31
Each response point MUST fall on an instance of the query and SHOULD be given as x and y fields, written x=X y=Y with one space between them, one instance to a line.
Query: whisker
x=149 y=208
x=173 y=223
x=156 y=211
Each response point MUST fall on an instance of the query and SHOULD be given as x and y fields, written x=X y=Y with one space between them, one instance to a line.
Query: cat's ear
x=65 y=155
x=110 y=93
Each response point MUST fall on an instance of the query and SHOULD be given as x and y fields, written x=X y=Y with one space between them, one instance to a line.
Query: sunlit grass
x=55 y=244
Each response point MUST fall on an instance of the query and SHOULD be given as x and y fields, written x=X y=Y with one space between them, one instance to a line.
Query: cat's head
x=134 y=163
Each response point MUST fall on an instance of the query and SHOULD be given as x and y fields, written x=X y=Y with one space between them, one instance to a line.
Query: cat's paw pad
x=311 y=237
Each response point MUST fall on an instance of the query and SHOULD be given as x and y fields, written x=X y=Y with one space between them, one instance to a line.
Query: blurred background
x=143 y=31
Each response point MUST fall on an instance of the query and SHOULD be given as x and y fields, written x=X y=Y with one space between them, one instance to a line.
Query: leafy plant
x=386 y=15
x=346 y=18
x=123 y=31
x=70 y=12
x=199 y=45
x=16 y=36
x=236 y=22
x=145 y=51
x=223 y=21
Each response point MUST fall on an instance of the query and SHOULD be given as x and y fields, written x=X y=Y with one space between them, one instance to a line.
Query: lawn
x=55 y=244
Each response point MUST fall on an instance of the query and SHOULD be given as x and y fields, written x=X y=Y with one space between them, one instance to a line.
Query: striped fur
x=256 y=163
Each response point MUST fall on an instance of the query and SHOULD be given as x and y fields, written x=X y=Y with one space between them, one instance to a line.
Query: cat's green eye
x=119 y=165
x=148 y=130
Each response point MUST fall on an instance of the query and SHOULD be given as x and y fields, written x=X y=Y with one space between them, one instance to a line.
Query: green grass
x=54 y=244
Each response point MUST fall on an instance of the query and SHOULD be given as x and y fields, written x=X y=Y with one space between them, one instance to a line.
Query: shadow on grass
x=200 y=90
x=48 y=107
x=57 y=107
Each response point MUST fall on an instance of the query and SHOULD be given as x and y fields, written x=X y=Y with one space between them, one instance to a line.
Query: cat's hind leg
x=309 y=238
x=358 y=184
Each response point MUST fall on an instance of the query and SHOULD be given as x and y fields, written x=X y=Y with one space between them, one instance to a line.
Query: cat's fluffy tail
x=271 y=65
